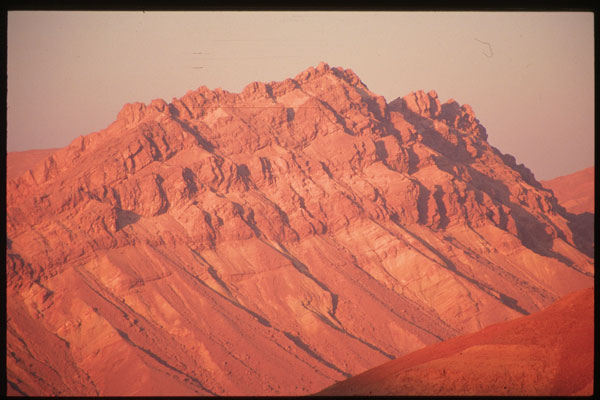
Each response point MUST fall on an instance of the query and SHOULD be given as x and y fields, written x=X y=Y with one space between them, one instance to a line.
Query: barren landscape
x=282 y=239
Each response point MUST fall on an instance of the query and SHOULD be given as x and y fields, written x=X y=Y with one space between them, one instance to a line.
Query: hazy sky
x=69 y=73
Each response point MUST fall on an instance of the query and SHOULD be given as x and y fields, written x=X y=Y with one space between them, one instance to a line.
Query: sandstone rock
x=425 y=105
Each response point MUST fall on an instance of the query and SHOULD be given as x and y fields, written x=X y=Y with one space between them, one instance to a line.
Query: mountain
x=19 y=162
x=575 y=191
x=273 y=241
x=549 y=353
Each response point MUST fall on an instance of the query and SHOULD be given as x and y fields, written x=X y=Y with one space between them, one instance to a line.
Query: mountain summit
x=214 y=244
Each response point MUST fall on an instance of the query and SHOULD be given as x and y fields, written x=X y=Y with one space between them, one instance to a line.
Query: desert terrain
x=548 y=353
x=277 y=241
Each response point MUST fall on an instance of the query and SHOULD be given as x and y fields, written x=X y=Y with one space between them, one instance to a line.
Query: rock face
x=575 y=192
x=272 y=242
x=549 y=353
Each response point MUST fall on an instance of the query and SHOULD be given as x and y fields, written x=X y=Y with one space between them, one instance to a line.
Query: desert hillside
x=19 y=162
x=272 y=242
x=575 y=191
x=549 y=353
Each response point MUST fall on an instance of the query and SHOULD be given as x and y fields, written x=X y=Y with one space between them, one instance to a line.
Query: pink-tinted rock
x=214 y=244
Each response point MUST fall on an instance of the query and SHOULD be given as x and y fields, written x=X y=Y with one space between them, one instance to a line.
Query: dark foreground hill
x=549 y=353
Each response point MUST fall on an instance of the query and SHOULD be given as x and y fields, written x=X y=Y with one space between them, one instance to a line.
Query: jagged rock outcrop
x=217 y=242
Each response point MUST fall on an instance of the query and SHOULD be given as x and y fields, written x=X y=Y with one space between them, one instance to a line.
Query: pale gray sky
x=69 y=73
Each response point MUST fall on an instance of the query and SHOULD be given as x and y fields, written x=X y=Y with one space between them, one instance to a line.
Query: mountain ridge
x=329 y=229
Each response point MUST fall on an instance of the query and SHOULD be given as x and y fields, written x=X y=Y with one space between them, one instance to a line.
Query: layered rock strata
x=272 y=241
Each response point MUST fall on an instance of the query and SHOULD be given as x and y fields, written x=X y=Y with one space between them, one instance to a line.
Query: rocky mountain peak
x=134 y=113
x=425 y=105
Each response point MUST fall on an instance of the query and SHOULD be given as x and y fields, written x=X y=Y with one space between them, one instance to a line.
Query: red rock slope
x=272 y=242
x=575 y=192
x=19 y=162
x=549 y=353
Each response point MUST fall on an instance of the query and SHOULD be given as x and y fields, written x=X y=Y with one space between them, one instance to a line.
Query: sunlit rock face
x=273 y=241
